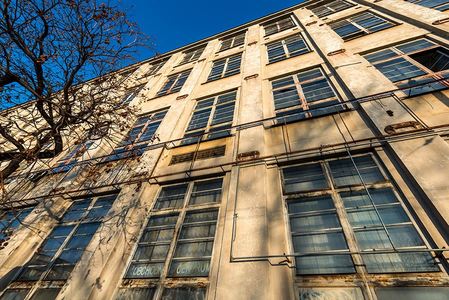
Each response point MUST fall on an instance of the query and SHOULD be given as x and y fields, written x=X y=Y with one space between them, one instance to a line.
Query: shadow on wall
x=9 y=277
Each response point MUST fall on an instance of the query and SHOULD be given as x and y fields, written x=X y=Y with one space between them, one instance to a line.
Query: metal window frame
x=349 y=20
x=192 y=55
x=206 y=130
x=34 y=285
x=406 y=56
x=342 y=211
x=225 y=67
x=176 y=77
x=287 y=54
x=330 y=8
x=297 y=84
x=233 y=39
x=277 y=23
x=160 y=283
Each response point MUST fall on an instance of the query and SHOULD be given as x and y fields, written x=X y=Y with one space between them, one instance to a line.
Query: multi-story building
x=303 y=155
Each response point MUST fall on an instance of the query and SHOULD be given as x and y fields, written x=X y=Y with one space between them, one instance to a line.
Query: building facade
x=303 y=155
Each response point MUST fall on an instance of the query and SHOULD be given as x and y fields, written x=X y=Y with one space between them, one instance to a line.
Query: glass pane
x=206 y=191
x=59 y=272
x=198 y=268
x=413 y=293
x=326 y=264
x=197 y=231
x=158 y=235
x=311 y=223
x=14 y=294
x=369 y=217
x=155 y=252
x=45 y=294
x=184 y=294
x=304 y=178
x=136 y=294
x=344 y=172
x=313 y=243
x=202 y=216
x=194 y=249
x=145 y=270
x=361 y=198
x=310 y=204
x=171 y=196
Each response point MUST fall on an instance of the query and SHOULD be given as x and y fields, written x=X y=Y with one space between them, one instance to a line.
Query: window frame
x=303 y=104
x=192 y=55
x=287 y=53
x=159 y=283
x=225 y=67
x=173 y=88
x=127 y=147
x=207 y=130
x=277 y=23
x=335 y=192
x=436 y=7
x=330 y=10
x=349 y=21
x=441 y=76
x=42 y=282
x=233 y=39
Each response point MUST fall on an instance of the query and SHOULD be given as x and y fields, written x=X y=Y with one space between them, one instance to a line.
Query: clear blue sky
x=172 y=24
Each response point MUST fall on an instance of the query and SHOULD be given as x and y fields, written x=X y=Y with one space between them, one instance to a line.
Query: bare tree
x=49 y=52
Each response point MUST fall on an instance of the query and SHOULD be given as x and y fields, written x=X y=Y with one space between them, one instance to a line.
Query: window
x=296 y=95
x=225 y=67
x=198 y=155
x=322 y=195
x=233 y=41
x=278 y=25
x=440 y=5
x=286 y=48
x=360 y=25
x=11 y=219
x=174 y=83
x=64 y=246
x=131 y=94
x=213 y=116
x=330 y=8
x=192 y=55
x=416 y=67
x=155 y=67
x=191 y=210
x=69 y=161
x=138 y=137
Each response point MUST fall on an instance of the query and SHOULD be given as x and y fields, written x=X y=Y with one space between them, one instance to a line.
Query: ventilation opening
x=203 y=154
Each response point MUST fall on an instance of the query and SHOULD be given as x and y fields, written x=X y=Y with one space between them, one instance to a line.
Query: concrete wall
x=252 y=231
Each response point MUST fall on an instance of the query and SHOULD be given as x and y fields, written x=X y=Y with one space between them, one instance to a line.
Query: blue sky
x=172 y=24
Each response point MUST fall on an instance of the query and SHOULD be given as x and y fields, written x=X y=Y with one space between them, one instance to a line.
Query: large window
x=213 y=115
x=286 y=48
x=232 y=41
x=155 y=67
x=278 y=25
x=71 y=158
x=138 y=137
x=225 y=67
x=360 y=25
x=295 y=96
x=191 y=209
x=63 y=247
x=440 y=5
x=192 y=55
x=324 y=195
x=174 y=83
x=416 y=67
x=10 y=220
x=331 y=7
